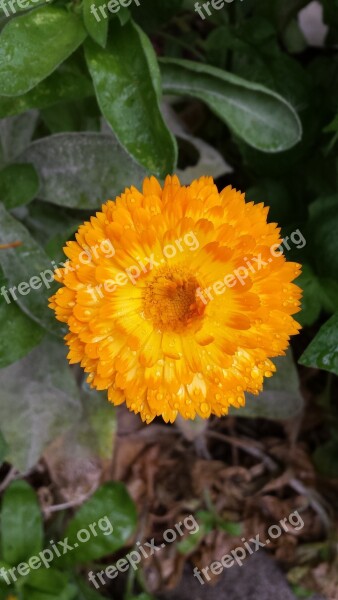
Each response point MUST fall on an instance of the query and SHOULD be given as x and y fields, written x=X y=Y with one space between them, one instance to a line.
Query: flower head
x=176 y=297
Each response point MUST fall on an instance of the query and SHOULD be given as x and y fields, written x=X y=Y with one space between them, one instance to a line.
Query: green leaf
x=19 y=184
x=215 y=48
x=209 y=162
x=16 y=134
x=328 y=294
x=39 y=402
x=6 y=567
x=301 y=592
x=323 y=228
x=82 y=170
x=21 y=523
x=276 y=195
x=55 y=244
x=33 y=45
x=46 y=222
x=3 y=448
x=46 y=580
x=257 y=56
x=65 y=84
x=280 y=399
x=281 y=11
x=87 y=593
x=127 y=95
x=22 y=332
x=332 y=127
x=152 y=61
x=82 y=115
x=322 y=351
x=261 y=117
x=294 y=39
x=124 y=15
x=96 y=24
x=311 y=301
x=23 y=263
x=112 y=505
x=319 y=293
x=99 y=423
x=67 y=593
x=19 y=8
x=231 y=527
x=88 y=444
x=208 y=521
x=326 y=458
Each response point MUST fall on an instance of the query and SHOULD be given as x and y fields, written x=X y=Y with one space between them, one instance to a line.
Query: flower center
x=170 y=299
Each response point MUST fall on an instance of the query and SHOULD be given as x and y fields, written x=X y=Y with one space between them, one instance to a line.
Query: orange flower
x=176 y=297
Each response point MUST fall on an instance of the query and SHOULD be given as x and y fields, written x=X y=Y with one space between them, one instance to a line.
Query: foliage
x=87 y=108
x=22 y=538
x=83 y=115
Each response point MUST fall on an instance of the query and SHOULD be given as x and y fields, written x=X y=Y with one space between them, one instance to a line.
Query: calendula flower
x=176 y=298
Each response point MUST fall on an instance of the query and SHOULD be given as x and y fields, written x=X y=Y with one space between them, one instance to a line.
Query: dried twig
x=12 y=474
x=248 y=446
x=315 y=500
x=70 y=504
x=11 y=245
